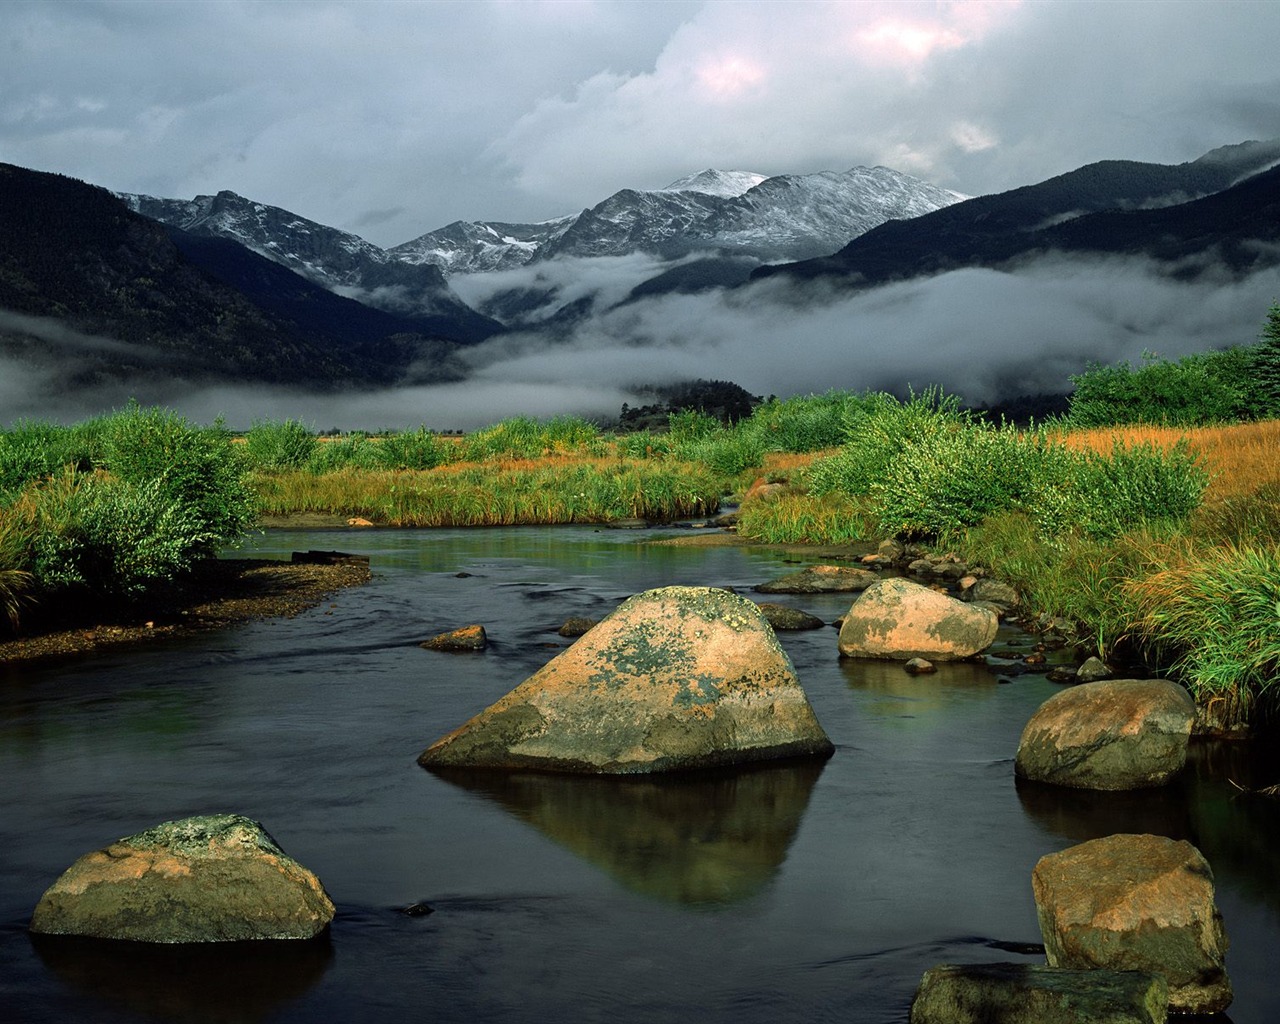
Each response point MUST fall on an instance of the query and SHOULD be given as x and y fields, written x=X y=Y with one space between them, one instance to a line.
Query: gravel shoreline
x=218 y=592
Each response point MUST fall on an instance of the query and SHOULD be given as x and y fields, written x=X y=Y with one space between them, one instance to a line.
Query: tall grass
x=502 y=492
x=1213 y=617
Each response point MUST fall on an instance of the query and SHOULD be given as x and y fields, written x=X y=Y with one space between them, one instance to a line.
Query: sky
x=390 y=119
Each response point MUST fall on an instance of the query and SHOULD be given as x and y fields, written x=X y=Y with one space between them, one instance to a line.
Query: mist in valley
x=982 y=334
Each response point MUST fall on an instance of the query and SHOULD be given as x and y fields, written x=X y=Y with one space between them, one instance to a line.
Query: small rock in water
x=417 y=910
x=920 y=667
x=1092 y=670
x=576 y=625
x=468 y=638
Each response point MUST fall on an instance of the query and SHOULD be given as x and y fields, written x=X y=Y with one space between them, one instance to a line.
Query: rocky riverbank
x=218 y=592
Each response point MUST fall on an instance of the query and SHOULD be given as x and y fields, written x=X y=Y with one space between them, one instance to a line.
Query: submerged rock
x=779 y=616
x=214 y=878
x=1115 y=734
x=1004 y=993
x=576 y=625
x=1136 y=902
x=821 y=579
x=900 y=620
x=676 y=678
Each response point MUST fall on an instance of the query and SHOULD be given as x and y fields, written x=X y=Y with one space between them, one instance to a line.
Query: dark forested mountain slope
x=74 y=254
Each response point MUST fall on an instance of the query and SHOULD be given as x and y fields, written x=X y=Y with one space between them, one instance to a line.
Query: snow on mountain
x=467 y=247
x=735 y=213
x=726 y=184
x=338 y=260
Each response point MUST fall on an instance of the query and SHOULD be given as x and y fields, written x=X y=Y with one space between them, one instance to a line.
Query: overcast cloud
x=391 y=119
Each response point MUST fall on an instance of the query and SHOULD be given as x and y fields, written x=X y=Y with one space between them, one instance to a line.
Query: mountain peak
x=727 y=184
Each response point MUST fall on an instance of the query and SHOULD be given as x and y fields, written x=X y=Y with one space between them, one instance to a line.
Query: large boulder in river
x=675 y=678
x=821 y=579
x=1114 y=734
x=214 y=878
x=1004 y=993
x=900 y=620
x=1136 y=903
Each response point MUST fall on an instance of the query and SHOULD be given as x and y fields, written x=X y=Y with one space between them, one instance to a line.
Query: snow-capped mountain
x=338 y=260
x=786 y=217
x=469 y=247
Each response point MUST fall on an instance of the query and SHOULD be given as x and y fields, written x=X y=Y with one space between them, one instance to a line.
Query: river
x=787 y=893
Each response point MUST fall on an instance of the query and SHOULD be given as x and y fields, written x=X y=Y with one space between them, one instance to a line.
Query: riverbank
x=217 y=593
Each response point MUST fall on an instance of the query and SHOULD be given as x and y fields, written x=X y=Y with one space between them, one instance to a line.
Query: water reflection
x=1079 y=815
x=706 y=839
x=205 y=983
x=893 y=686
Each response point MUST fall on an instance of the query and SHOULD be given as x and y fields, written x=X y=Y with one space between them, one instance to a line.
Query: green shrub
x=108 y=536
x=196 y=467
x=280 y=444
x=807 y=423
x=1210 y=387
x=31 y=450
x=414 y=449
x=1104 y=496
x=354 y=451
x=877 y=431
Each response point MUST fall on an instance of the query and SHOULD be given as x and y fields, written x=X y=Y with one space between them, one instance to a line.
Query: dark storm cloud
x=396 y=118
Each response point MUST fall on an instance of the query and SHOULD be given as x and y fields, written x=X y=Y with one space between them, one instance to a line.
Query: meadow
x=1152 y=543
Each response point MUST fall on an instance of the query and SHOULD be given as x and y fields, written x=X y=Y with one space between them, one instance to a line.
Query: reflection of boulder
x=213 y=878
x=213 y=983
x=1035 y=994
x=711 y=838
x=676 y=678
x=1082 y=814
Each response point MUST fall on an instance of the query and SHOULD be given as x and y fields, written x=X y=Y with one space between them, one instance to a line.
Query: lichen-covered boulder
x=213 y=878
x=900 y=620
x=1114 y=734
x=674 y=679
x=821 y=579
x=1004 y=993
x=1136 y=903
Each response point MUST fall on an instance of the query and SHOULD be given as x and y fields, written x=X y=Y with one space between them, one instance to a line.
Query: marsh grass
x=791 y=518
x=503 y=492
x=1213 y=616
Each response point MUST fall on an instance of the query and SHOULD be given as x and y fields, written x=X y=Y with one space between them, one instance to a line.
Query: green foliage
x=1215 y=620
x=1228 y=386
x=280 y=444
x=1265 y=367
x=31 y=450
x=804 y=519
x=413 y=449
x=195 y=466
x=97 y=533
x=927 y=468
x=1103 y=496
x=808 y=423
x=525 y=438
x=354 y=451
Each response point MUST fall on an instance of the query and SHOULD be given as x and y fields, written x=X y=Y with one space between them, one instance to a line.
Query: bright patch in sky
x=729 y=77
x=908 y=42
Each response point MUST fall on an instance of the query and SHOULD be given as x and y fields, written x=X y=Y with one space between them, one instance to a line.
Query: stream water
x=787 y=893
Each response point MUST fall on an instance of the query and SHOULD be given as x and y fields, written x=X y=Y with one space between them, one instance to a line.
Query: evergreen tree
x=1266 y=363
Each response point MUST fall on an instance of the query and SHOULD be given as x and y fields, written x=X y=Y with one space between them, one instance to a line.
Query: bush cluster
x=114 y=506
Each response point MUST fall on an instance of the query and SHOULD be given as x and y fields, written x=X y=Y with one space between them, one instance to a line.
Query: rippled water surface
x=794 y=893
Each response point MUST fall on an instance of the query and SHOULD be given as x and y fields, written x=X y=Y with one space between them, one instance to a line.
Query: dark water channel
x=795 y=893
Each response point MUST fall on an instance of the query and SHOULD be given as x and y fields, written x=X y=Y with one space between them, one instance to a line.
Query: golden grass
x=1240 y=458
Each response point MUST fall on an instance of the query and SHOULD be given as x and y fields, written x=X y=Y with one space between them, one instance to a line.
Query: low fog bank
x=982 y=334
